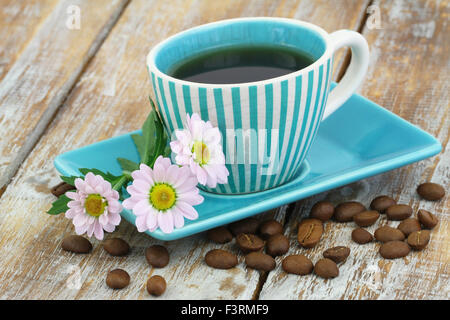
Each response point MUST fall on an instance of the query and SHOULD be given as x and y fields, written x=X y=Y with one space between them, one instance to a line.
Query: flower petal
x=165 y=221
x=98 y=230
x=187 y=210
x=141 y=223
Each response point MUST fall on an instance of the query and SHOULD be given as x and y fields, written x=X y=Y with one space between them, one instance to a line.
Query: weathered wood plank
x=408 y=74
x=18 y=23
x=42 y=76
x=110 y=99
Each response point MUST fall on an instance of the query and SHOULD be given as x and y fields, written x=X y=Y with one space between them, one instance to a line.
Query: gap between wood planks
x=291 y=207
x=58 y=101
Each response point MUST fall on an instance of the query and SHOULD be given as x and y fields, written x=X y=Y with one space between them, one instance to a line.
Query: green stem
x=123 y=179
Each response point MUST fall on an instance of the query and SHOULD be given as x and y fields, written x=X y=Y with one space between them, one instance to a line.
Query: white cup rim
x=321 y=60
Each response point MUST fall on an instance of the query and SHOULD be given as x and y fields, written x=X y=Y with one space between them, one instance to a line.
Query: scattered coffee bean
x=399 y=212
x=270 y=228
x=61 y=189
x=427 y=219
x=249 y=242
x=156 y=286
x=366 y=218
x=118 y=279
x=418 y=240
x=221 y=259
x=408 y=226
x=326 y=268
x=76 y=244
x=249 y=226
x=337 y=254
x=361 y=236
x=219 y=235
x=345 y=211
x=431 y=191
x=309 y=232
x=277 y=245
x=260 y=261
x=157 y=256
x=381 y=203
x=116 y=247
x=322 y=210
x=386 y=234
x=297 y=264
x=394 y=249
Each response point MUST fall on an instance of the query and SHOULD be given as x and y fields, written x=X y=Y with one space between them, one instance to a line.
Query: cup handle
x=355 y=72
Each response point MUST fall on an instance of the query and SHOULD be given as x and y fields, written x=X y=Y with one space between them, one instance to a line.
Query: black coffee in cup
x=241 y=64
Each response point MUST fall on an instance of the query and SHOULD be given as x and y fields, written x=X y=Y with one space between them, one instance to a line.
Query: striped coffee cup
x=267 y=126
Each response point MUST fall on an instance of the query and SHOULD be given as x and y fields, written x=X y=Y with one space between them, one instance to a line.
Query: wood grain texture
x=44 y=73
x=19 y=21
x=408 y=75
x=110 y=99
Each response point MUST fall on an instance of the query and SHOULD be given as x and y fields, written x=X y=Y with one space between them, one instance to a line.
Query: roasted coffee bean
x=381 y=203
x=297 y=264
x=418 y=240
x=249 y=242
x=221 y=259
x=118 y=279
x=326 y=268
x=337 y=254
x=427 y=219
x=249 y=226
x=408 y=226
x=345 y=211
x=386 y=234
x=61 y=189
x=156 y=286
x=398 y=212
x=361 y=236
x=219 y=235
x=76 y=244
x=431 y=191
x=270 y=228
x=157 y=256
x=277 y=245
x=322 y=210
x=366 y=218
x=260 y=261
x=116 y=247
x=394 y=249
x=309 y=232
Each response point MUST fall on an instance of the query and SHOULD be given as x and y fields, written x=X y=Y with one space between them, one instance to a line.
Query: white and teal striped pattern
x=290 y=110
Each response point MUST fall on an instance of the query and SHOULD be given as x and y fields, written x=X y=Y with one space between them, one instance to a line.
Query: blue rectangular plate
x=359 y=140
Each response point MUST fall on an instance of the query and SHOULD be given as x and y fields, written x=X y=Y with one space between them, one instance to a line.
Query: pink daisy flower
x=163 y=196
x=199 y=147
x=94 y=207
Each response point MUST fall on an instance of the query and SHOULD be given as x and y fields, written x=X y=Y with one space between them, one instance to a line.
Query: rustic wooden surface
x=61 y=89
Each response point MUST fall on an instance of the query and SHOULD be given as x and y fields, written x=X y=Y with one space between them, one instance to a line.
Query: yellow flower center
x=95 y=205
x=201 y=152
x=162 y=196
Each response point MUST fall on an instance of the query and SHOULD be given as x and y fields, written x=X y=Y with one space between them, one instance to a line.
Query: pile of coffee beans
x=157 y=256
x=253 y=237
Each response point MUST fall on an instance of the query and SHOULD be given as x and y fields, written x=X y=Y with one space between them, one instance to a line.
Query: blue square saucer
x=359 y=140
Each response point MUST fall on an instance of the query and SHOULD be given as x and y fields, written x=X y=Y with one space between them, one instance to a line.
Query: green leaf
x=107 y=176
x=149 y=133
x=70 y=180
x=140 y=144
x=59 y=206
x=128 y=165
x=167 y=151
